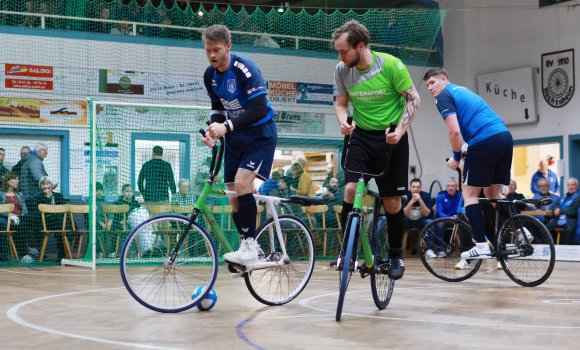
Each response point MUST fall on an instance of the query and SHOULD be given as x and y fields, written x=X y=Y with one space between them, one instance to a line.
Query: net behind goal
x=139 y=156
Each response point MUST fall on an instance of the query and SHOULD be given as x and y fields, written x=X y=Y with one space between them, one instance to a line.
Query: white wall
x=494 y=35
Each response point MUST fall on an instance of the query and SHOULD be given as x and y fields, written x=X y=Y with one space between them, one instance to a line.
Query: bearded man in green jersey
x=381 y=92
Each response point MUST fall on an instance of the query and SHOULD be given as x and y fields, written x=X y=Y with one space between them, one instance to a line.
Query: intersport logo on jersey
x=367 y=93
x=28 y=70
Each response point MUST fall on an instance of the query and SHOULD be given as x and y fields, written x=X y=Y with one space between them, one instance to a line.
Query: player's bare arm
x=413 y=101
x=455 y=138
x=342 y=113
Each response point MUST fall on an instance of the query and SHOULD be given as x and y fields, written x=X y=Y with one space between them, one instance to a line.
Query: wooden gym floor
x=76 y=308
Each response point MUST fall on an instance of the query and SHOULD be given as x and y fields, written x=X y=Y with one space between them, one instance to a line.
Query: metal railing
x=135 y=30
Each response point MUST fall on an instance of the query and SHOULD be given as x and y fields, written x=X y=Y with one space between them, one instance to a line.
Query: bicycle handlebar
x=214 y=167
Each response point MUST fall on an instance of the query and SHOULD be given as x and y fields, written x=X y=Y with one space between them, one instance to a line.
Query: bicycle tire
x=281 y=284
x=346 y=269
x=382 y=286
x=153 y=282
x=525 y=266
x=444 y=267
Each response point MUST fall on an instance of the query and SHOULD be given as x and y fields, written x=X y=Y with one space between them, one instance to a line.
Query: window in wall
x=525 y=163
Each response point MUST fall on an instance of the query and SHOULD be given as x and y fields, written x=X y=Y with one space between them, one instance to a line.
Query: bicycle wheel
x=442 y=235
x=277 y=285
x=529 y=260
x=346 y=263
x=381 y=285
x=150 y=276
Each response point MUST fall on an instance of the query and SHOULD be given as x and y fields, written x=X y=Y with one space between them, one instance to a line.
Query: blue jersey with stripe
x=235 y=87
x=476 y=119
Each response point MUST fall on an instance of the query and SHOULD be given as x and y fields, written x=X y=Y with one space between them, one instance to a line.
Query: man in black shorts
x=241 y=112
x=381 y=92
x=488 y=162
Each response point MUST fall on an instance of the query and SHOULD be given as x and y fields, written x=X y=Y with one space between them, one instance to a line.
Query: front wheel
x=526 y=250
x=346 y=264
x=382 y=286
x=441 y=238
x=279 y=284
x=150 y=275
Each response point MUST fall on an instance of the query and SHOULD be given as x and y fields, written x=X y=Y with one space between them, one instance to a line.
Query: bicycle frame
x=357 y=210
x=216 y=231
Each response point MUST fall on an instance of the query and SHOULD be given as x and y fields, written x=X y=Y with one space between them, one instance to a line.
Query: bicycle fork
x=170 y=261
x=360 y=231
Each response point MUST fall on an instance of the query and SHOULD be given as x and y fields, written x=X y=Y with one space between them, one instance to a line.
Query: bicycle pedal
x=236 y=268
x=365 y=271
x=382 y=268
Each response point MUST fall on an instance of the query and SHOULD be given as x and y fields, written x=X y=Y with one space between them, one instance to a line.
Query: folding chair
x=57 y=214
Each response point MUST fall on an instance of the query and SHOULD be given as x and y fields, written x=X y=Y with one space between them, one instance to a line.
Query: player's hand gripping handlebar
x=216 y=159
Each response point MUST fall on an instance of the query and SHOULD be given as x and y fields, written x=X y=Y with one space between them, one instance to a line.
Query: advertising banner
x=32 y=110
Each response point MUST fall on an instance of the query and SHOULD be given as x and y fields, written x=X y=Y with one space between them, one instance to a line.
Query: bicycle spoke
x=277 y=285
x=152 y=279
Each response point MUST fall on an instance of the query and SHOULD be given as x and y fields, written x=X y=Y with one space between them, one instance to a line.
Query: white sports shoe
x=430 y=254
x=441 y=254
x=480 y=251
x=247 y=254
x=529 y=236
x=462 y=265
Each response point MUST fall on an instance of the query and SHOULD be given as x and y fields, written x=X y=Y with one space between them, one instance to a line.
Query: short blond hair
x=217 y=32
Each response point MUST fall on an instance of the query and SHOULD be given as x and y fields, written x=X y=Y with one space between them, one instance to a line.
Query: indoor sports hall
x=93 y=93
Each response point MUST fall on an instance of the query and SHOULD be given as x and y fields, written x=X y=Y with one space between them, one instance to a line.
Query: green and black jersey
x=375 y=93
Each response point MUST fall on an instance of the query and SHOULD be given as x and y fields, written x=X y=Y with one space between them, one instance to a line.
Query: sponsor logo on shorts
x=400 y=188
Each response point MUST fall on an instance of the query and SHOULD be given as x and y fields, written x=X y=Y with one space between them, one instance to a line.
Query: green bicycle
x=375 y=257
x=168 y=256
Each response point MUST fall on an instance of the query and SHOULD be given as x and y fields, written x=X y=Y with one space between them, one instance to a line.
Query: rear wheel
x=347 y=264
x=441 y=237
x=153 y=279
x=279 y=284
x=381 y=285
x=526 y=250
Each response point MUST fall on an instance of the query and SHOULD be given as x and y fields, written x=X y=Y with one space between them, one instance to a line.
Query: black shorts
x=251 y=149
x=489 y=162
x=369 y=153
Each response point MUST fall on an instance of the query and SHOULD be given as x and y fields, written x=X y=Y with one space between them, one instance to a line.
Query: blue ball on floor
x=206 y=303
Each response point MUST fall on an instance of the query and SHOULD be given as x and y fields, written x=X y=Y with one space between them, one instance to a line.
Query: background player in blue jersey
x=489 y=157
x=241 y=111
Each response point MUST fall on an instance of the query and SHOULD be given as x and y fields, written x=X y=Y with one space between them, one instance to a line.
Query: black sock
x=475 y=216
x=396 y=226
x=247 y=215
x=236 y=219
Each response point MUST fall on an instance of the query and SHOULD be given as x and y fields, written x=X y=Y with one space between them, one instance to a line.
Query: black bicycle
x=523 y=245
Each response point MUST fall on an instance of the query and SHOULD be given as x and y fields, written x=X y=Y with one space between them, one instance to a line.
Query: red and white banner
x=29 y=84
x=28 y=70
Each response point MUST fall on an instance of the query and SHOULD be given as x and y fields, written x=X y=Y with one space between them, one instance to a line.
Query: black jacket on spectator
x=155 y=179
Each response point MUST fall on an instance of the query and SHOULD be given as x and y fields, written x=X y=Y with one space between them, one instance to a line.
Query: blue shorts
x=251 y=149
x=489 y=162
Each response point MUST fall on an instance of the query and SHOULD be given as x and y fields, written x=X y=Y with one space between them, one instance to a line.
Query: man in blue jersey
x=489 y=158
x=241 y=112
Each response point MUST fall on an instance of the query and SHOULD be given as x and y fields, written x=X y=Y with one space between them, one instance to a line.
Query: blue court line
x=241 y=335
